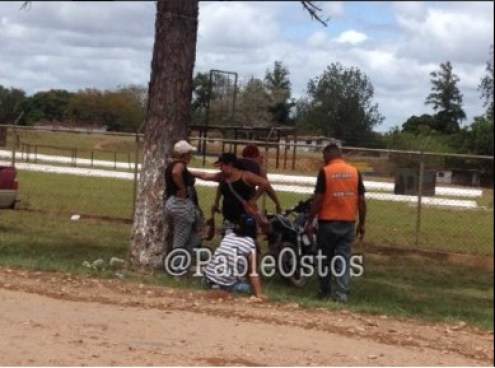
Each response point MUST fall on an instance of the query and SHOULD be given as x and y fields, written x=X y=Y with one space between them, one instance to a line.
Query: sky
x=75 y=45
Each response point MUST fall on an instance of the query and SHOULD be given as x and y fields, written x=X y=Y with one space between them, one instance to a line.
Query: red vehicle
x=8 y=187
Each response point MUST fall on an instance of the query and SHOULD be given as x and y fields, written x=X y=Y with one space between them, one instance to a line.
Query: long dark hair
x=246 y=226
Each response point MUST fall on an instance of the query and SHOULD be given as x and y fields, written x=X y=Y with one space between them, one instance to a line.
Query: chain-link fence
x=415 y=199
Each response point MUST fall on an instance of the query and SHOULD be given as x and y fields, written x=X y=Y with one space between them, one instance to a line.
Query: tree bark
x=168 y=117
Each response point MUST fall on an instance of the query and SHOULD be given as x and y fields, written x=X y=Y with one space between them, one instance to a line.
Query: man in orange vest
x=338 y=197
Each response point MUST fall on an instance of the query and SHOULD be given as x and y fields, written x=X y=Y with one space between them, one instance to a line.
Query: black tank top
x=250 y=165
x=232 y=208
x=172 y=189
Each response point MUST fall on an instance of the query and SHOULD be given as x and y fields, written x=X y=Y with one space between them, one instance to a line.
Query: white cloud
x=461 y=34
x=317 y=39
x=352 y=37
x=236 y=25
x=75 y=45
x=410 y=9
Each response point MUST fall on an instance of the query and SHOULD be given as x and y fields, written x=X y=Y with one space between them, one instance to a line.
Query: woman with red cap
x=252 y=160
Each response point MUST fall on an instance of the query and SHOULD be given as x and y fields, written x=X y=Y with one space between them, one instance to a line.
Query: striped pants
x=183 y=215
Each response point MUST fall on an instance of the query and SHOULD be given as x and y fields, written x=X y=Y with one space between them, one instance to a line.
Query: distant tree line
x=338 y=103
x=122 y=109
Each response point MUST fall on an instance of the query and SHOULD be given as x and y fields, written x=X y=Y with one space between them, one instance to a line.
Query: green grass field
x=104 y=146
x=388 y=223
x=400 y=285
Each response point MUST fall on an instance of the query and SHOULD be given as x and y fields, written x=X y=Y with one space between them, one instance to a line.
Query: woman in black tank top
x=246 y=184
x=232 y=208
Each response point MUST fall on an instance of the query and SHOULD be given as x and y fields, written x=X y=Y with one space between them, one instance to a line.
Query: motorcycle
x=288 y=242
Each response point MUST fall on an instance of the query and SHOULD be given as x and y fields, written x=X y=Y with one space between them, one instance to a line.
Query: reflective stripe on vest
x=340 y=200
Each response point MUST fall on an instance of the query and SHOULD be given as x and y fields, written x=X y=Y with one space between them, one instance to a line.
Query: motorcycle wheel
x=287 y=263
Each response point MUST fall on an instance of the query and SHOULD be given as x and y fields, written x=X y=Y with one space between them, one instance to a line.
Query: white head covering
x=182 y=147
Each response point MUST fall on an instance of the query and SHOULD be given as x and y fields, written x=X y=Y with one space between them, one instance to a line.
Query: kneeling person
x=233 y=266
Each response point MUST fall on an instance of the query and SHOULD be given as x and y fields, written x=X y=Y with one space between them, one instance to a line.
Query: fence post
x=285 y=157
x=16 y=143
x=16 y=136
x=420 y=195
x=202 y=145
x=294 y=156
x=265 y=165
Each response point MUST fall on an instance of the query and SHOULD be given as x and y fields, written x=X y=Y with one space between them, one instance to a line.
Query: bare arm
x=313 y=211
x=316 y=202
x=263 y=173
x=216 y=204
x=273 y=196
x=207 y=176
x=270 y=191
x=262 y=185
x=254 y=277
x=315 y=206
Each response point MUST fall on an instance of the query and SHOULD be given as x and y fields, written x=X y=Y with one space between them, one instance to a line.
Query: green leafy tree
x=476 y=138
x=340 y=105
x=48 y=106
x=303 y=119
x=486 y=86
x=222 y=104
x=278 y=85
x=123 y=109
x=482 y=130
x=419 y=124
x=12 y=103
x=138 y=94
x=200 y=98
x=446 y=99
x=254 y=101
x=416 y=141
x=86 y=107
x=409 y=141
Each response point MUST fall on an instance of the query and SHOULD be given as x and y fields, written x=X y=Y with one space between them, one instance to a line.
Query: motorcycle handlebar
x=301 y=206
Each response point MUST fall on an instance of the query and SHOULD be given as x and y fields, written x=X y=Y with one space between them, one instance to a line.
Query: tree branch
x=314 y=11
x=25 y=5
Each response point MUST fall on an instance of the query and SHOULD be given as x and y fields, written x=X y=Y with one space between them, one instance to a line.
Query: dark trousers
x=334 y=240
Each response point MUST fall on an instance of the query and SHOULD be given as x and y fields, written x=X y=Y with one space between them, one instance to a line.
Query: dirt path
x=58 y=319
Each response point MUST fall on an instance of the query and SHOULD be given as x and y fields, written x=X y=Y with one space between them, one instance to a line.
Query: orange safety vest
x=340 y=199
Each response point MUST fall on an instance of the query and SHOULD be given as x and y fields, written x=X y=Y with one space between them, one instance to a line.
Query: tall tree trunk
x=168 y=117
